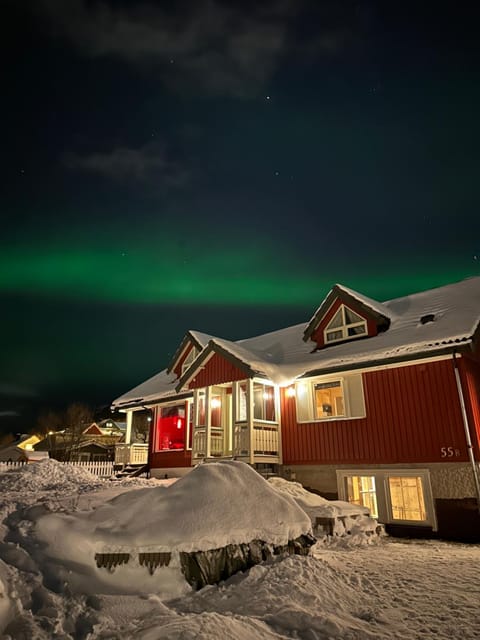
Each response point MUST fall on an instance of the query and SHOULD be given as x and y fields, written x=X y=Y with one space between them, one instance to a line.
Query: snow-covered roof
x=283 y=356
x=159 y=386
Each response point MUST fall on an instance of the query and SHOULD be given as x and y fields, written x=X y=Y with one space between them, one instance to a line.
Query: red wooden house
x=375 y=403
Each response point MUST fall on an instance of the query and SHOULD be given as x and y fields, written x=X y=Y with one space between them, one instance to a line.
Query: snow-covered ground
x=359 y=587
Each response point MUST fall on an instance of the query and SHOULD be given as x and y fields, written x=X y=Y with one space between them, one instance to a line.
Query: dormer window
x=345 y=325
x=191 y=355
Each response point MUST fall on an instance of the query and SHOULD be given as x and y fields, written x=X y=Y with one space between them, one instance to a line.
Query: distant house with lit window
x=373 y=402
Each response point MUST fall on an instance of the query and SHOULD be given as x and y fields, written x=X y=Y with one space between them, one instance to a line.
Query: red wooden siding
x=170 y=459
x=411 y=413
x=178 y=367
x=217 y=370
x=317 y=335
x=470 y=375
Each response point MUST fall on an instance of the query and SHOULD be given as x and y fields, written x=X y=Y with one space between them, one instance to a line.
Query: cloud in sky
x=12 y=390
x=222 y=48
x=149 y=163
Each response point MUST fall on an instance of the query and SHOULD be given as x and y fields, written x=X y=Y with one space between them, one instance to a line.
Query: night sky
x=219 y=166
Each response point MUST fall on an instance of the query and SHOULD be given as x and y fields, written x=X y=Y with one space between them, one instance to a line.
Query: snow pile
x=392 y=591
x=215 y=505
x=352 y=524
x=48 y=475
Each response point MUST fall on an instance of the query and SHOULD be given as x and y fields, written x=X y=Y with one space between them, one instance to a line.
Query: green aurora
x=156 y=273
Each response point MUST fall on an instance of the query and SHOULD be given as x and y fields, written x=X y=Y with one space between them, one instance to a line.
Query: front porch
x=237 y=420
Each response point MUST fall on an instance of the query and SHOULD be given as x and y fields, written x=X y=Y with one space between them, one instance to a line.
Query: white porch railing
x=265 y=442
x=199 y=450
x=135 y=453
x=241 y=440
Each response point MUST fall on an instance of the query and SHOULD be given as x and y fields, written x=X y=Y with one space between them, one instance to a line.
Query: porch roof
x=159 y=387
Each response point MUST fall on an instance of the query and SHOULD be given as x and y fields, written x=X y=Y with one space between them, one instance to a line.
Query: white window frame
x=189 y=359
x=265 y=383
x=174 y=403
x=344 y=327
x=384 y=502
x=310 y=383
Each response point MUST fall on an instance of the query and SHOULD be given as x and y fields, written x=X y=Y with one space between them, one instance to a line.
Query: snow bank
x=309 y=501
x=217 y=504
x=48 y=475
x=351 y=526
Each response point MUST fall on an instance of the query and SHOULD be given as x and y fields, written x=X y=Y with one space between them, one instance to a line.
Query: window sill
x=335 y=419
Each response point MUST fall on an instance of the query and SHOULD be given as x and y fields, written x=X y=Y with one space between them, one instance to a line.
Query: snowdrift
x=330 y=518
x=220 y=518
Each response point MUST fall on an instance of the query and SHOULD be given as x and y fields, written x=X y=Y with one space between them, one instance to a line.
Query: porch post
x=128 y=432
x=251 y=435
x=278 y=416
x=233 y=425
x=208 y=420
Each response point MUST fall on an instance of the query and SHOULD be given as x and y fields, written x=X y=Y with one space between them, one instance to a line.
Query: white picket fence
x=101 y=469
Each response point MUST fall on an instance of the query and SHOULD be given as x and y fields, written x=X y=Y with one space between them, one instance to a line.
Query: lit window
x=406 y=498
x=263 y=402
x=361 y=490
x=393 y=496
x=344 y=325
x=332 y=399
x=329 y=401
x=170 y=428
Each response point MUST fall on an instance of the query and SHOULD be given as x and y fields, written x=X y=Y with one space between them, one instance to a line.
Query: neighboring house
x=94 y=443
x=375 y=403
x=17 y=451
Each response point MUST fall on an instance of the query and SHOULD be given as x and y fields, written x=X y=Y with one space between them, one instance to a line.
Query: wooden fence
x=101 y=469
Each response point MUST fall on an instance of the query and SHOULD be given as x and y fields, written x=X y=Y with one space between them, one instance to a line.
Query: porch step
x=130 y=471
x=266 y=470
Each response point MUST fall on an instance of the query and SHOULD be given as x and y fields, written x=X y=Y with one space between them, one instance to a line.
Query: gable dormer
x=345 y=315
x=190 y=347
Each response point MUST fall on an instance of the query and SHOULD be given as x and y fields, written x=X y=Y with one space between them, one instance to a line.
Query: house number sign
x=449 y=452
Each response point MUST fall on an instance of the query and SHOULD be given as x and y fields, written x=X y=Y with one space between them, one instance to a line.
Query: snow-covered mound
x=346 y=519
x=308 y=500
x=48 y=475
x=215 y=505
